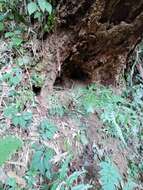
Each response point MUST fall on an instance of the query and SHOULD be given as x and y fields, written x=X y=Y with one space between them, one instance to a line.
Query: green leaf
x=119 y=132
x=32 y=7
x=74 y=176
x=22 y=119
x=48 y=155
x=55 y=185
x=109 y=176
x=82 y=187
x=13 y=77
x=35 y=164
x=48 y=129
x=64 y=168
x=55 y=106
x=10 y=111
x=130 y=185
x=89 y=102
x=83 y=138
x=1 y=26
x=41 y=161
x=16 y=76
x=44 y=5
x=11 y=182
x=37 y=15
x=25 y=60
x=16 y=41
x=9 y=34
x=2 y=16
x=8 y=146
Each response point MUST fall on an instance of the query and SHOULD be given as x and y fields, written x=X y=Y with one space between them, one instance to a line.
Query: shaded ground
x=80 y=133
x=89 y=148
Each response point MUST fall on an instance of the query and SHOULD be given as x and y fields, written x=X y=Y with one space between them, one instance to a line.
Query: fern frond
x=110 y=177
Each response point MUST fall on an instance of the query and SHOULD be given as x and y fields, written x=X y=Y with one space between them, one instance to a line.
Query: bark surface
x=92 y=40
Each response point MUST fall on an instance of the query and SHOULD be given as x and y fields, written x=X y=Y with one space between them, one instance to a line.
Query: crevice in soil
x=58 y=81
x=72 y=73
x=113 y=10
x=36 y=90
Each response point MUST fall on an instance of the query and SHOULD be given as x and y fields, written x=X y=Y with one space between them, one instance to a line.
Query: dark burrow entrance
x=73 y=73
x=36 y=90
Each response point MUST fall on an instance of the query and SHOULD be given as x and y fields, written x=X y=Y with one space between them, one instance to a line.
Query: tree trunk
x=92 y=40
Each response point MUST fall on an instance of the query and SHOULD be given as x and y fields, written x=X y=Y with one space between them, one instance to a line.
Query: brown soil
x=99 y=144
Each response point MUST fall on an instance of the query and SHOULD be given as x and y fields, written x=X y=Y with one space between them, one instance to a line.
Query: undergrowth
x=22 y=126
x=120 y=114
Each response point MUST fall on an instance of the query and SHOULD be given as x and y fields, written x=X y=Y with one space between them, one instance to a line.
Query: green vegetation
x=8 y=146
x=111 y=178
x=47 y=129
x=53 y=143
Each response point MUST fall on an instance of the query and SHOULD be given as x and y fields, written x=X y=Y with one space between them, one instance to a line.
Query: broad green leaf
x=16 y=41
x=35 y=164
x=48 y=129
x=13 y=77
x=37 y=15
x=22 y=119
x=11 y=182
x=10 y=111
x=32 y=7
x=44 y=5
x=9 y=34
x=8 y=146
x=48 y=8
x=41 y=161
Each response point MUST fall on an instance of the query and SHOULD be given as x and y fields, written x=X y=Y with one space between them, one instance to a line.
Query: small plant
x=10 y=111
x=11 y=184
x=16 y=17
x=65 y=181
x=55 y=106
x=22 y=97
x=47 y=129
x=41 y=161
x=15 y=38
x=59 y=176
x=111 y=178
x=37 y=80
x=13 y=77
x=39 y=7
x=118 y=113
x=8 y=146
x=22 y=119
